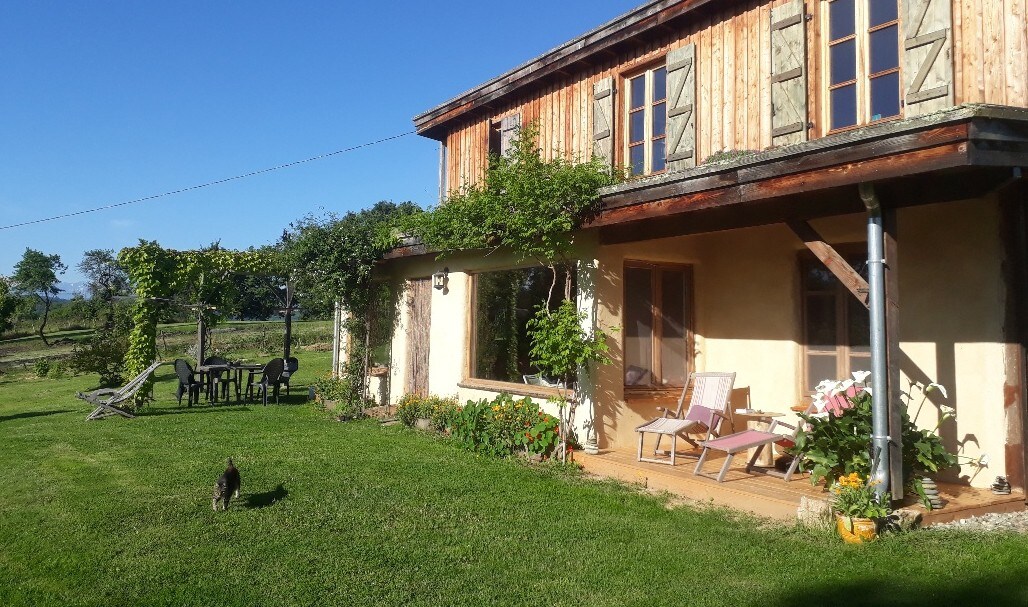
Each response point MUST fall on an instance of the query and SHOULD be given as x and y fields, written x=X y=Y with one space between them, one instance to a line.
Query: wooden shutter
x=681 y=114
x=788 y=74
x=603 y=119
x=509 y=126
x=927 y=56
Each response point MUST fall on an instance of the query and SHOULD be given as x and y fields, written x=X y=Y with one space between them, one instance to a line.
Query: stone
x=904 y=519
x=814 y=513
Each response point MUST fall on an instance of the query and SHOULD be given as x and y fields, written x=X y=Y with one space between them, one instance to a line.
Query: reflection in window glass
x=885 y=101
x=821 y=320
x=884 y=49
x=638 y=327
x=638 y=92
x=504 y=301
x=659 y=84
x=882 y=11
x=673 y=343
x=637 y=160
x=844 y=61
x=844 y=106
x=842 y=19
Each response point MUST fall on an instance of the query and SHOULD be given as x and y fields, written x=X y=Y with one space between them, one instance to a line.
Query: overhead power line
x=208 y=184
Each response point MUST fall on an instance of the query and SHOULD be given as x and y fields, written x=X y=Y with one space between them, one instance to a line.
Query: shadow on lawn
x=28 y=414
x=193 y=409
x=961 y=588
x=268 y=498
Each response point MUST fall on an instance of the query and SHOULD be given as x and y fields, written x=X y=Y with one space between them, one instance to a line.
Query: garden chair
x=271 y=377
x=537 y=379
x=710 y=394
x=751 y=439
x=107 y=400
x=187 y=383
x=220 y=379
x=292 y=365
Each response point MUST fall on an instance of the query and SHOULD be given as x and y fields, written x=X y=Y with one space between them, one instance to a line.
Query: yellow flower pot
x=856 y=530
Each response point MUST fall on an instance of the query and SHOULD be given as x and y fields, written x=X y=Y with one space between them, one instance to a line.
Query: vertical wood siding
x=733 y=88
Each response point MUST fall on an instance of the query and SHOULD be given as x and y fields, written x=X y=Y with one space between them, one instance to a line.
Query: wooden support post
x=835 y=263
x=1013 y=202
x=201 y=336
x=892 y=337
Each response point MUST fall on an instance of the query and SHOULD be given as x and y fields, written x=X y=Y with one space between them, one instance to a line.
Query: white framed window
x=646 y=121
x=862 y=62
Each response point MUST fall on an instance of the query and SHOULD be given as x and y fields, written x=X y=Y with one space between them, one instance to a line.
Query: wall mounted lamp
x=439 y=279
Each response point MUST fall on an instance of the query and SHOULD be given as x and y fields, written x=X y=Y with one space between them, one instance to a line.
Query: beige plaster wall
x=747 y=319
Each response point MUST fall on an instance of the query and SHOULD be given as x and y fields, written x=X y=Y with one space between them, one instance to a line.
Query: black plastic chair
x=271 y=377
x=221 y=379
x=291 y=367
x=187 y=383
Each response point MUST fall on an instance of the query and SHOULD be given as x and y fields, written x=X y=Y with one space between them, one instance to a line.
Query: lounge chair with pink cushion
x=710 y=394
x=749 y=439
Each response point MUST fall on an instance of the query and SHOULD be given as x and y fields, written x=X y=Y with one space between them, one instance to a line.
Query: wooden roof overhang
x=956 y=154
x=621 y=32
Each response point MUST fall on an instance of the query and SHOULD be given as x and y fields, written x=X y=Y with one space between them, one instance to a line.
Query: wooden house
x=762 y=134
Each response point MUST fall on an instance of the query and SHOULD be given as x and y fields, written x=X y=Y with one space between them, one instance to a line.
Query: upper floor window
x=646 y=121
x=502 y=133
x=863 y=62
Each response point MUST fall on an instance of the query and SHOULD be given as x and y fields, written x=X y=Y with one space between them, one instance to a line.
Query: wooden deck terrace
x=770 y=496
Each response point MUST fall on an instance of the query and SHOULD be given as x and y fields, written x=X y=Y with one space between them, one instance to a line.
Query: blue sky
x=103 y=102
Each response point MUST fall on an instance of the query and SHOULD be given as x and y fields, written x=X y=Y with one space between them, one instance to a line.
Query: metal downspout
x=879 y=345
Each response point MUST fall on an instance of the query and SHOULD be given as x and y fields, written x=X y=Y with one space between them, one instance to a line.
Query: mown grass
x=118 y=512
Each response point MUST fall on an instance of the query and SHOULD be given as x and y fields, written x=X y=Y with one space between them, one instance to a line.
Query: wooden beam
x=835 y=263
x=1013 y=202
x=892 y=340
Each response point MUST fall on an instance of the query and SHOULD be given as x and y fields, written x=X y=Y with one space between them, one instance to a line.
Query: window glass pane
x=636 y=126
x=658 y=155
x=860 y=361
x=659 y=119
x=821 y=320
x=844 y=61
x=659 y=84
x=819 y=367
x=842 y=19
x=884 y=49
x=638 y=86
x=883 y=11
x=504 y=301
x=844 y=106
x=674 y=355
x=858 y=323
x=816 y=277
x=638 y=327
x=636 y=159
x=885 y=96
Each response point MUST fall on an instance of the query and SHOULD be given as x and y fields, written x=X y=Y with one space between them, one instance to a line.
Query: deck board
x=771 y=496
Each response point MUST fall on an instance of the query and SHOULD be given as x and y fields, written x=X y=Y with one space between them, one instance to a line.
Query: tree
x=36 y=275
x=8 y=305
x=106 y=278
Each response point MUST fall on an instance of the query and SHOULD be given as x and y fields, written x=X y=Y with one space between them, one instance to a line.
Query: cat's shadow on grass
x=268 y=498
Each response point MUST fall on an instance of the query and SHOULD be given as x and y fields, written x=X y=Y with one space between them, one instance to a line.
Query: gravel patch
x=1006 y=522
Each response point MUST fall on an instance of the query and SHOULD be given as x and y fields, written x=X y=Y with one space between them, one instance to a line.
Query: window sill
x=513 y=388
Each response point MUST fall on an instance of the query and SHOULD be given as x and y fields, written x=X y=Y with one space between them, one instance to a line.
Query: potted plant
x=859 y=510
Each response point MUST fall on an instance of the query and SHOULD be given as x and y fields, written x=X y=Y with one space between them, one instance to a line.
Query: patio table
x=207 y=373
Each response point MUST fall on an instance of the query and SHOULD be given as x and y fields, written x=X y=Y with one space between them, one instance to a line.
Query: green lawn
x=118 y=512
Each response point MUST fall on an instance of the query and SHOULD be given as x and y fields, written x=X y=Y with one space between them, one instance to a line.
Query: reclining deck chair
x=710 y=394
x=750 y=439
x=108 y=399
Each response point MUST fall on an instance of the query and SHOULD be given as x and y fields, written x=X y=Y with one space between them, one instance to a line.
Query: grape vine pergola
x=157 y=275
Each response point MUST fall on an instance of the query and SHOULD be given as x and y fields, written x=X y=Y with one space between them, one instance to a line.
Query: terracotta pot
x=856 y=530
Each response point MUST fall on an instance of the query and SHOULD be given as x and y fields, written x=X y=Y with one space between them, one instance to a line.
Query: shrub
x=104 y=354
x=41 y=367
x=413 y=407
x=346 y=405
x=57 y=370
x=505 y=426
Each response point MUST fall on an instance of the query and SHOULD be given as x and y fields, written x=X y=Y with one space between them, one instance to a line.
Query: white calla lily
x=939 y=387
x=861 y=376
